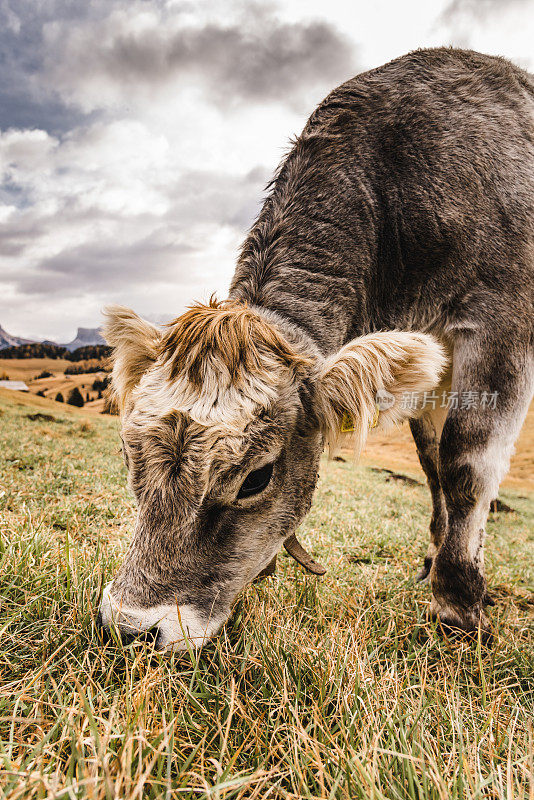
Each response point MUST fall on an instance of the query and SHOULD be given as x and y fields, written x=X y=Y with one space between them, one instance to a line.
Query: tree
x=35 y=350
x=100 y=351
x=75 y=398
x=59 y=398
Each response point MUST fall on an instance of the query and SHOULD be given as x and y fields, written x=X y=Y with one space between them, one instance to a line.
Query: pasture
x=331 y=688
x=29 y=369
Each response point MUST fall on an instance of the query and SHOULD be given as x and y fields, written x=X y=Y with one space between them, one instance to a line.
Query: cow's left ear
x=135 y=344
x=376 y=380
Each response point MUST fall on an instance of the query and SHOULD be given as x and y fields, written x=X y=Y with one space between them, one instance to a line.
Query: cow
x=392 y=258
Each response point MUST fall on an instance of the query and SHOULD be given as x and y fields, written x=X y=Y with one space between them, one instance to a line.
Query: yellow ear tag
x=374 y=421
x=347 y=425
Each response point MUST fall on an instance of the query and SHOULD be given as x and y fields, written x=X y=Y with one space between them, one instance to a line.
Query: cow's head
x=224 y=415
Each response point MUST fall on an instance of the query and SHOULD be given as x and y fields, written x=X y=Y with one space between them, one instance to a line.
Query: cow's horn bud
x=296 y=550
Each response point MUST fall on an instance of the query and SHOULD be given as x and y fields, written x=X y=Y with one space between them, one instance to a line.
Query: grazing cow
x=393 y=255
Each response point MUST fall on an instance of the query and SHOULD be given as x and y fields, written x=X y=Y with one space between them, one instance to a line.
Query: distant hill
x=85 y=337
x=7 y=340
x=34 y=350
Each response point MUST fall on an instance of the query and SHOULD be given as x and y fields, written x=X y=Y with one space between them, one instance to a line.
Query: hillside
x=393 y=450
x=28 y=370
x=333 y=688
x=396 y=450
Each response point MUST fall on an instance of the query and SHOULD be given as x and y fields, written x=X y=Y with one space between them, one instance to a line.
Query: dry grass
x=397 y=451
x=315 y=689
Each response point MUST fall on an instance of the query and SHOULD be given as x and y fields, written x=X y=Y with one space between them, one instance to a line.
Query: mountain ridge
x=84 y=337
x=8 y=340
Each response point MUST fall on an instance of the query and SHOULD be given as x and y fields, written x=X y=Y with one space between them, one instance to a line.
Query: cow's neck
x=307 y=266
x=326 y=303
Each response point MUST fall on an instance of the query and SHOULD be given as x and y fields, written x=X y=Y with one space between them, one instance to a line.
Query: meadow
x=30 y=369
x=316 y=688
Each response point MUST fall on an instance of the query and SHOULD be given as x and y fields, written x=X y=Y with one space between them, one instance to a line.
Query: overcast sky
x=136 y=136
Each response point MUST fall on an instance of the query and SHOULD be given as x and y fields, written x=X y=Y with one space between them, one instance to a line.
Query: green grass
x=335 y=688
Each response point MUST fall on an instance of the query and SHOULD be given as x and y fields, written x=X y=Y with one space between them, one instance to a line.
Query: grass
x=335 y=688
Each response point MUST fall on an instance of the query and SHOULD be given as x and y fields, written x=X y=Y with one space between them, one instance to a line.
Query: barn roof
x=19 y=386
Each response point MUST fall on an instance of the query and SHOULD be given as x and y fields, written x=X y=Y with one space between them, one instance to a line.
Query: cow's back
x=408 y=195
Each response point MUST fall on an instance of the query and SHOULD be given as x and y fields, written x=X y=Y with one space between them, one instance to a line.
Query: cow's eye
x=256 y=481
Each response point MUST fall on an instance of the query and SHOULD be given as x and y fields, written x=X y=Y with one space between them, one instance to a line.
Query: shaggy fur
x=350 y=379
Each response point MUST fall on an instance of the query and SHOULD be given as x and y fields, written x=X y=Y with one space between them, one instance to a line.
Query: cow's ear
x=378 y=379
x=135 y=344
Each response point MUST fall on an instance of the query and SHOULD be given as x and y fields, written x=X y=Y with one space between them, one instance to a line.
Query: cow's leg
x=474 y=453
x=426 y=432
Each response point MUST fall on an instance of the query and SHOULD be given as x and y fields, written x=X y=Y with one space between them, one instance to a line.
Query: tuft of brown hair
x=226 y=332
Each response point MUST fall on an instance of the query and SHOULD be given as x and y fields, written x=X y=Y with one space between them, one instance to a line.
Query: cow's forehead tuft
x=238 y=380
x=227 y=336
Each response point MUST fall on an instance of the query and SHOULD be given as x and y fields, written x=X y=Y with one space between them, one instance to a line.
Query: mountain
x=84 y=337
x=7 y=340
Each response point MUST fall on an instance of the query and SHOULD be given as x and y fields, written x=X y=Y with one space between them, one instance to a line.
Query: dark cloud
x=105 y=266
x=48 y=49
x=24 y=101
x=256 y=58
x=271 y=61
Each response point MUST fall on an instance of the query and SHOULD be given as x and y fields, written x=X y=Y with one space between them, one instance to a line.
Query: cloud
x=25 y=101
x=490 y=26
x=107 y=208
x=136 y=137
x=135 y=50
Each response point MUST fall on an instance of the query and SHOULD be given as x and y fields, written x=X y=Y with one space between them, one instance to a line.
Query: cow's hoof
x=423 y=575
x=461 y=621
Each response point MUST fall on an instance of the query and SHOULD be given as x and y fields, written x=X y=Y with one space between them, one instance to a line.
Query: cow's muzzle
x=165 y=627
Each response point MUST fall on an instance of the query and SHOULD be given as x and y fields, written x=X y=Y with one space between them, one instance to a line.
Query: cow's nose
x=128 y=635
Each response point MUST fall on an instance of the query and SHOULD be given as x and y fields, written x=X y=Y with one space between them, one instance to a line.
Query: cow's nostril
x=102 y=630
x=149 y=636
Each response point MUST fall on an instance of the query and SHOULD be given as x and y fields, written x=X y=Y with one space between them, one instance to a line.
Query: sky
x=137 y=136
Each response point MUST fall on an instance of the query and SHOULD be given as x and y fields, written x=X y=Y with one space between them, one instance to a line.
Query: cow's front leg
x=457 y=576
x=469 y=477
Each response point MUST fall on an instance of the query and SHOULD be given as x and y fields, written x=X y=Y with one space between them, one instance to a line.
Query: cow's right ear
x=135 y=344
